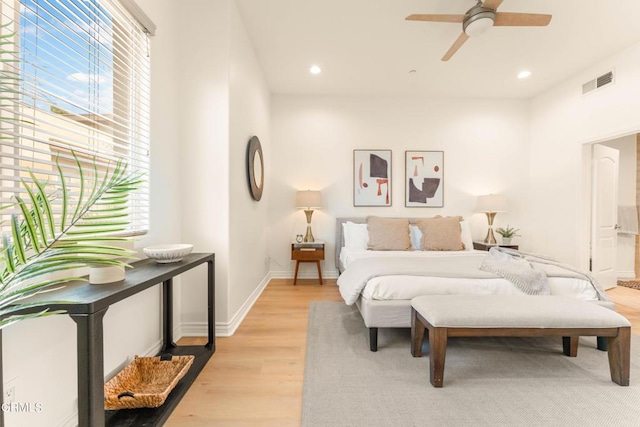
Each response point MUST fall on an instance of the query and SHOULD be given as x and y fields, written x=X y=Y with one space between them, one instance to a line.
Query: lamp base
x=308 y=238
x=490 y=239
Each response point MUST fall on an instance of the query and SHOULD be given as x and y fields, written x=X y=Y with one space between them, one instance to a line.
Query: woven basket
x=145 y=382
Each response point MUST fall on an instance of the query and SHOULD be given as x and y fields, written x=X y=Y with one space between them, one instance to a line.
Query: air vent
x=597 y=83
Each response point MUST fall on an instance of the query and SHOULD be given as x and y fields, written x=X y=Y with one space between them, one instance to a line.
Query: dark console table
x=87 y=307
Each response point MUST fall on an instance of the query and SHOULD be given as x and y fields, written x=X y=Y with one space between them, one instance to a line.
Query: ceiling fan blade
x=492 y=4
x=435 y=18
x=506 y=19
x=455 y=46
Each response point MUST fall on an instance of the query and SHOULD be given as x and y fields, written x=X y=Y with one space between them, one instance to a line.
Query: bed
x=381 y=283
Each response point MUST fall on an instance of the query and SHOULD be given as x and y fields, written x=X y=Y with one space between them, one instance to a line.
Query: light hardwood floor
x=255 y=377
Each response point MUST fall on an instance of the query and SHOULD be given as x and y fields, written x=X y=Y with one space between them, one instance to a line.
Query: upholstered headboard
x=340 y=236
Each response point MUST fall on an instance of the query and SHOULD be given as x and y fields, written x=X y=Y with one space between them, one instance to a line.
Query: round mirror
x=255 y=168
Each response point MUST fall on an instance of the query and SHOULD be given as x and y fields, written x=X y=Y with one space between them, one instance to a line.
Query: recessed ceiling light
x=524 y=74
x=315 y=69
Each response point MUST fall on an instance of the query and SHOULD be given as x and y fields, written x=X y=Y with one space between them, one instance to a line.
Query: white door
x=604 y=215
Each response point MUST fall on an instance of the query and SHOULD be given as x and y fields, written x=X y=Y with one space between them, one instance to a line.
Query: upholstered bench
x=444 y=316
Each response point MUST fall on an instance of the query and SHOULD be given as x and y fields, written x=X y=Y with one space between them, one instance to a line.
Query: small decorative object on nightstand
x=307 y=252
x=482 y=246
x=507 y=234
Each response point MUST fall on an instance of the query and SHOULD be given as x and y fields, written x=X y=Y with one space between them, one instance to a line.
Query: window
x=82 y=69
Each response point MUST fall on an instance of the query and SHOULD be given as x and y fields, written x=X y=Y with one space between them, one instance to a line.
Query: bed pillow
x=440 y=234
x=356 y=236
x=465 y=235
x=388 y=234
x=416 y=235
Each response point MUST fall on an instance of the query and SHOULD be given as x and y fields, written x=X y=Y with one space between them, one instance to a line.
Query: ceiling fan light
x=478 y=24
x=524 y=74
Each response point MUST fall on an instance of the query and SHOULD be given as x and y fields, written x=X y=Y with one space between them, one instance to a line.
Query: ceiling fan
x=480 y=18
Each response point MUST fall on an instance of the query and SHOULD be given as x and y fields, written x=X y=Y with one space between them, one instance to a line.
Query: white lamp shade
x=309 y=199
x=491 y=203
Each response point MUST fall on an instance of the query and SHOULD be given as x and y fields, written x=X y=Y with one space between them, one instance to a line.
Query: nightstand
x=307 y=252
x=482 y=246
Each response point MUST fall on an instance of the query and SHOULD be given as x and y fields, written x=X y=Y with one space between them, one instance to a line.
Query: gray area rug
x=487 y=381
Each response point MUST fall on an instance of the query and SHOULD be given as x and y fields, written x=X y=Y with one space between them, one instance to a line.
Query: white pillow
x=415 y=234
x=465 y=234
x=356 y=236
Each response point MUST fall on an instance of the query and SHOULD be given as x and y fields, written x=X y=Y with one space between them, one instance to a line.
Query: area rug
x=487 y=381
x=633 y=284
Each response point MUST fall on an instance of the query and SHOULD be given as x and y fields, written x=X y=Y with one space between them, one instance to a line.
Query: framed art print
x=424 y=179
x=371 y=177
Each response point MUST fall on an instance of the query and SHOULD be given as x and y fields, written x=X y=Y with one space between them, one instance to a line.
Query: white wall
x=626 y=197
x=208 y=99
x=223 y=101
x=562 y=121
x=485 y=144
x=250 y=103
x=41 y=353
x=203 y=120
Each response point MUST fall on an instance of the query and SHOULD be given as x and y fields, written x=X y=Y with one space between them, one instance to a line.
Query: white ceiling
x=365 y=47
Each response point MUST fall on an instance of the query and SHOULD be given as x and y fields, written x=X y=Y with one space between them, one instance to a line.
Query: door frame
x=584 y=221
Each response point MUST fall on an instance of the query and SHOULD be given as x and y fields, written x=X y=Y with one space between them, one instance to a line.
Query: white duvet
x=404 y=287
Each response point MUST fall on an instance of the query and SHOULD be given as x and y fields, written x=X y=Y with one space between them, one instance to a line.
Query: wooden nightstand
x=307 y=252
x=482 y=246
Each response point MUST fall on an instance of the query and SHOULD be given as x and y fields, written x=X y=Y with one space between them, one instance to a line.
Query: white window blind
x=83 y=88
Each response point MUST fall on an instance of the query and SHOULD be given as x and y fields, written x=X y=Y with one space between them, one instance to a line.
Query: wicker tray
x=145 y=382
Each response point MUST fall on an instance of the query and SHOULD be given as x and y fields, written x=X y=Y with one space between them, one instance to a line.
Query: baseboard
x=286 y=274
x=226 y=329
x=626 y=275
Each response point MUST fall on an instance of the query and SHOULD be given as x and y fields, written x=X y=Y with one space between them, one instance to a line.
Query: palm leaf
x=65 y=196
x=46 y=205
x=44 y=240
x=39 y=247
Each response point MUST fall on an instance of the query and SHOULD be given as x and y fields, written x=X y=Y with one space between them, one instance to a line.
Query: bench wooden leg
x=620 y=356
x=437 y=355
x=417 y=334
x=570 y=346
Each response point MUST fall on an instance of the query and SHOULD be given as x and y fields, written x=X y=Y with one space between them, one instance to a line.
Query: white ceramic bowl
x=164 y=254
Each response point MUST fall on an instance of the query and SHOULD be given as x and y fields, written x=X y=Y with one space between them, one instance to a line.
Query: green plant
x=44 y=242
x=39 y=240
x=52 y=228
x=507 y=231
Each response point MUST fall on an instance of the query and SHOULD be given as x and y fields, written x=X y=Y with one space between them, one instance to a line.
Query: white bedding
x=401 y=287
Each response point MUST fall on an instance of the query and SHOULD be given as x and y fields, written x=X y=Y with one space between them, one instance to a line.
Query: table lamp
x=491 y=204
x=308 y=200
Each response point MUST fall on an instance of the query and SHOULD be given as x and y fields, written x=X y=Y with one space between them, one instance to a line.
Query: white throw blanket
x=359 y=272
x=552 y=267
x=355 y=277
x=523 y=274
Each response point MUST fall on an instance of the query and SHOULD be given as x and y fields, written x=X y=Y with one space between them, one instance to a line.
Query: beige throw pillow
x=388 y=234
x=440 y=234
